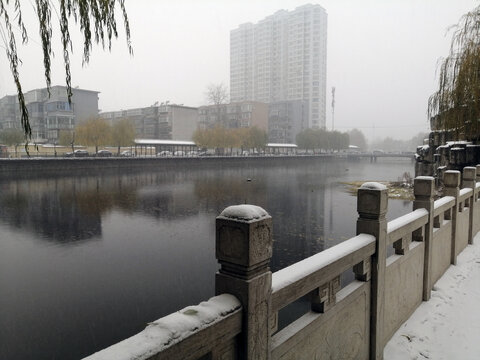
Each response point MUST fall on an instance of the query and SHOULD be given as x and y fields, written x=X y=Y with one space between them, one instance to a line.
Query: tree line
x=220 y=137
x=98 y=132
x=320 y=139
x=94 y=132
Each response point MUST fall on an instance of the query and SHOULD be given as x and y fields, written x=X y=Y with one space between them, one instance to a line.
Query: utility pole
x=333 y=108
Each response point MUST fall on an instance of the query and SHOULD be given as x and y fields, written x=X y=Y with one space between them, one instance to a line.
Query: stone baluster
x=244 y=249
x=451 y=181
x=469 y=181
x=424 y=191
x=372 y=203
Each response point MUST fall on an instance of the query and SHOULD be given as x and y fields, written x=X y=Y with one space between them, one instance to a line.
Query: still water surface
x=87 y=261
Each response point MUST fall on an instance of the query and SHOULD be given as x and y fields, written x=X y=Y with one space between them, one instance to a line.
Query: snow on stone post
x=469 y=181
x=451 y=181
x=243 y=249
x=372 y=204
x=424 y=191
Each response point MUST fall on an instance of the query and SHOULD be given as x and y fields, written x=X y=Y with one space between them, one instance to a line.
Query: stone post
x=469 y=181
x=372 y=203
x=424 y=191
x=243 y=249
x=451 y=181
x=478 y=173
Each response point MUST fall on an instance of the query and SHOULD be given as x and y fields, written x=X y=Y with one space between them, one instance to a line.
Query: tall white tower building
x=282 y=57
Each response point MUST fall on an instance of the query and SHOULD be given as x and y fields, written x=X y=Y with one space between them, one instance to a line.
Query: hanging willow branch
x=97 y=22
x=455 y=105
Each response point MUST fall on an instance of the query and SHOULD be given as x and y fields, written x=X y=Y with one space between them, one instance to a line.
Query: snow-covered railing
x=465 y=194
x=406 y=225
x=187 y=334
x=443 y=204
x=353 y=321
x=301 y=278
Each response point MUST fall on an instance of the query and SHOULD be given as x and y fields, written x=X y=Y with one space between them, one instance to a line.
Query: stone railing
x=345 y=322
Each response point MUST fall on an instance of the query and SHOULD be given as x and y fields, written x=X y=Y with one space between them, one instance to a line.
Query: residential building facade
x=243 y=114
x=282 y=57
x=286 y=119
x=163 y=122
x=49 y=113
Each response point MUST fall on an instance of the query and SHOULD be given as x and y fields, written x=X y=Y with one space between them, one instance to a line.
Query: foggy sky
x=382 y=57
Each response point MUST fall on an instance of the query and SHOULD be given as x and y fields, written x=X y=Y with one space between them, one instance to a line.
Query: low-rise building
x=234 y=115
x=165 y=121
x=286 y=119
x=49 y=113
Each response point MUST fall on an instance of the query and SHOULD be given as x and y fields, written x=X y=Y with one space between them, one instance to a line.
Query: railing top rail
x=464 y=194
x=443 y=204
x=399 y=227
x=182 y=325
x=477 y=187
x=304 y=276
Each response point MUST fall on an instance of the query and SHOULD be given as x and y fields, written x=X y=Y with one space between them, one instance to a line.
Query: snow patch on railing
x=301 y=269
x=170 y=329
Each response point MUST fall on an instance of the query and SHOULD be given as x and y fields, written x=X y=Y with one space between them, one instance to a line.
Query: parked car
x=126 y=153
x=104 y=153
x=192 y=153
x=179 y=153
x=164 y=153
x=77 y=153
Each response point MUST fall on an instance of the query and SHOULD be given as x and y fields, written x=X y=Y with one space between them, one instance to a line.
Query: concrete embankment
x=35 y=167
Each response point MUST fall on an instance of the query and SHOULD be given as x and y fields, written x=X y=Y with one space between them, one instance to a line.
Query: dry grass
x=396 y=190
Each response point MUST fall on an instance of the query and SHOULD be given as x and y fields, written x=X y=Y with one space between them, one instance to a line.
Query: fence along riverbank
x=354 y=321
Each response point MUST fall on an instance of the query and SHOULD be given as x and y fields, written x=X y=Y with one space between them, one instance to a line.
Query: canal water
x=86 y=261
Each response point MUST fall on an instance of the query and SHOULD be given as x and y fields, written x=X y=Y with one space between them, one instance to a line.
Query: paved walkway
x=448 y=325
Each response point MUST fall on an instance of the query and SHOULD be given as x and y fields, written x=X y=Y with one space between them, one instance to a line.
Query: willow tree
x=123 y=134
x=94 y=132
x=455 y=106
x=97 y=21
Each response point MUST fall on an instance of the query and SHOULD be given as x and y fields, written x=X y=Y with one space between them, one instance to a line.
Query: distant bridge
x=374 y=155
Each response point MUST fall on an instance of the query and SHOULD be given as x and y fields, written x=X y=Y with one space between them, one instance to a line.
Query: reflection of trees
x=70 y=208
x=67 y=209
x=61 y=209
x=49 y=215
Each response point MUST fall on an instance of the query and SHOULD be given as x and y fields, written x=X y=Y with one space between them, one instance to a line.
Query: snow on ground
x=448 y=325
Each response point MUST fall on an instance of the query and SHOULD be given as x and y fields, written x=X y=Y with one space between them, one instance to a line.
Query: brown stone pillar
x=244 y=249
x=372 y=203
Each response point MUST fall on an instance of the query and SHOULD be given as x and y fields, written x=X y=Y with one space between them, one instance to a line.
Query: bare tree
x=217 y=94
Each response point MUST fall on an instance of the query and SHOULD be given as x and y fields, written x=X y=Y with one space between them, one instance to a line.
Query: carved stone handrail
x=299 y=279
x=406 y=225
x=464 y=194
x=443 y=204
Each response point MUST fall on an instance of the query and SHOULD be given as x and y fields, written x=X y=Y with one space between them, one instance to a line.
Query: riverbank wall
x=34 y=167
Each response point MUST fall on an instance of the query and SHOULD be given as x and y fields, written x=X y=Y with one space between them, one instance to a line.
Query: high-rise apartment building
x=282 y=57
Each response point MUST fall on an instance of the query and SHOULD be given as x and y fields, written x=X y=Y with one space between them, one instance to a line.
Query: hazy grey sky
x=382 y=57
